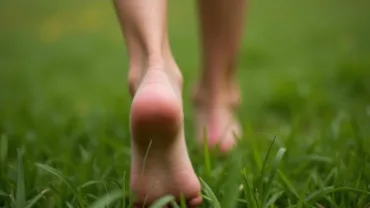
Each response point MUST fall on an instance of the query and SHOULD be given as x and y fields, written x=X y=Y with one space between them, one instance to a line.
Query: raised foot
x=215 y=119
x=160 y=164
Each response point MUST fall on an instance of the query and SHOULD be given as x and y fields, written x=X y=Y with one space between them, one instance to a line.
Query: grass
x=304 y=71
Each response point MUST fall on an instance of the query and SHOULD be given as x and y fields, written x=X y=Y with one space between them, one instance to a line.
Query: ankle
x=137 y=71
x=169 y=66
x=155 y=60
x=215 y=95
x=134 y=78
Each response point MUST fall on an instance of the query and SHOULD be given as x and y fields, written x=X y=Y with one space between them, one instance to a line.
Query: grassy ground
x=305 y=74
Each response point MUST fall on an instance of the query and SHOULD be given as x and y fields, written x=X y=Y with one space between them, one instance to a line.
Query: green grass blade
x=206 y=197
x=56 y=173
x=69 y=205
x=207 y=158
x=163 y=201
x=273 y=199
x=92 y=196
x=89 y=183
x=332 y=175
x=331 y=201
x=316 y=179
x=232 y=182
x=264 y=166
x=275 y=167
x=182 y=201
x=3 y=148
x=256 y=155
x=248 y=191
x=12 y=200
x=124 y=190
x=36 y=198
x=358 y=181
x=2 y=193
x=132 y=198
x=242 y=201
x=20 y=201
x=302 y=202
x=288 y=184
x=318 y=158
x=208 y=191
x=107 y=199
x=319 y=194
x=174 y=204
x=114 y=181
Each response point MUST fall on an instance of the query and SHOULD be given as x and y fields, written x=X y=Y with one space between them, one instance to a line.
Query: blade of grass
x=36 y=198
x=107 y=199
x=215 y=203
x=92 y=196
x=124 y=190
x=206 y=197
x=20 y=201
x=69 y=205
x=264 y=166
x=207 y=160
x=3 y=148
x=319 y=194
x=12 y=200
x=53 y=171
x=163 y=201
x=273 y=199
x=302 y=201
x=333 y=174
x=256 y=155
x=232 y=181
x=144 y=167
x=248 y=191
x=112 y=180
x=131 y=199
x=358 y=181
x=331 y=201
x=89 y=183
x=242 y=201
x=318 y=158
x=2 y=193
x=288 y=184
x=275 y=167
x=56 y=173
x=182 y=201
x=174 y=204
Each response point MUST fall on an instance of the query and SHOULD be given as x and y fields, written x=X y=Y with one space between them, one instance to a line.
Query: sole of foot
x=160 y=164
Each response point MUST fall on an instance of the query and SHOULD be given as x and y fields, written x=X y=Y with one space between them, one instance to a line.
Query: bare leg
x=156 y=118
x=217 y=95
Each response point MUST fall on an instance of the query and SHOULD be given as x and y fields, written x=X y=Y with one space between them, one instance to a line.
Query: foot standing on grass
x=155 y=82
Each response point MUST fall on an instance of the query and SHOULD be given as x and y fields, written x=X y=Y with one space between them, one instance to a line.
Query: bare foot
x=160 y=164
x=215 y=117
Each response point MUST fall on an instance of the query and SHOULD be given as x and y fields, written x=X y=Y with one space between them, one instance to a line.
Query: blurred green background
x=304 y=69
x=71 y=55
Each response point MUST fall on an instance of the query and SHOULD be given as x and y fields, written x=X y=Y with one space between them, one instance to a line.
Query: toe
x=195 y=202
x=233 y=133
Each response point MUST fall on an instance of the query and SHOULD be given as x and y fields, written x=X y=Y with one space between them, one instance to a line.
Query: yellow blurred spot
x=82 y=107
x=80 y=20
x=50 y=31
x=88 y=20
